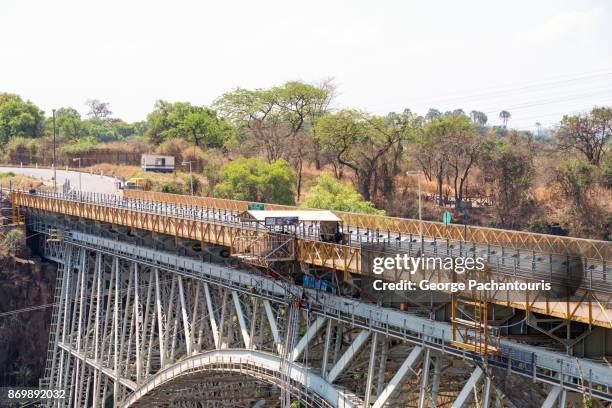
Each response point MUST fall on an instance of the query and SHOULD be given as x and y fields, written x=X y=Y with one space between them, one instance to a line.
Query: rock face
x=25 y=281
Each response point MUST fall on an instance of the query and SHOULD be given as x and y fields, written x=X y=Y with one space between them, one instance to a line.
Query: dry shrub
x=12 y=241
x=134 y=144
x=20 y=150
x=173 y=147
x=214 y=160
x=196 y=156
x=589 y=220
x=20 y=182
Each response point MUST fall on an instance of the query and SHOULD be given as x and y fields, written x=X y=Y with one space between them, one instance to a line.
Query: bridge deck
x=520 y=240
x=591 y=304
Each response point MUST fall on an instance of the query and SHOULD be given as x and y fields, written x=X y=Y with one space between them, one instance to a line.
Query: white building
x=154 y=162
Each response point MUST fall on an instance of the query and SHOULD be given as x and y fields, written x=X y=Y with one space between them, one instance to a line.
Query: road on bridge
x=90 y=182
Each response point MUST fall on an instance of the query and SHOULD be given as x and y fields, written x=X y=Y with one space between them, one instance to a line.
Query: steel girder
x=131 y=314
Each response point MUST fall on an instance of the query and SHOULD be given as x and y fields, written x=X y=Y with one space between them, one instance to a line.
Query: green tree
x=456 y=112
x=330 y=194
x=429 y=153
x=280 y=119
x=463 y=145
x=256 y=180
x=274 y=116
x=432 y=114
x=84 y=146
x=101 y=131
x=589 y=134
x=18 y=118
x=140 y=128
x=360 y=142
x=198 y=124
x=123 y=129
x=68 y=122
x=478 y=118
x=584 y=215
x=407 y=125
x=448 y=148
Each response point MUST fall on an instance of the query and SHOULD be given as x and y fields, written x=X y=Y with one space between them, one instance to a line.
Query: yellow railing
x=344 y=258
x=527 y=241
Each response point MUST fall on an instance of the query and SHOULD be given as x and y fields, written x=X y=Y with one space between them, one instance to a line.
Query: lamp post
x=418 y=174
x=54 y=166
x=79 y=160
x=190 y=176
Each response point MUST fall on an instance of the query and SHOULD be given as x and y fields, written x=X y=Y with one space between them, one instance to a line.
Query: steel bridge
x=148 y=314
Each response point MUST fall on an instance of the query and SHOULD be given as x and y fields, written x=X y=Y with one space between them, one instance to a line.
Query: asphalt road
x=89 y=182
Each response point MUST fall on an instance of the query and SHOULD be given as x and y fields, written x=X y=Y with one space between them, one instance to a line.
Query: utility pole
x=79 y=160
x=54 y=166
x=418 y=177
x=190 y=176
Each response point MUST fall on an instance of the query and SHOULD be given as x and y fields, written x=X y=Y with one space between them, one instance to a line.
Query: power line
x=521 y=121
x=552 y=101
x=604 y=74
x=502 y=93
x=495 y=93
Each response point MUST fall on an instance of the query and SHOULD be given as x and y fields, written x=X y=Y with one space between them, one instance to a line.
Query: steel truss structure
x=142 y=327
x=590 y=305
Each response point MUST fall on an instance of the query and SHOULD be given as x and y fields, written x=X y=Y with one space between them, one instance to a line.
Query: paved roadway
x=90 y=182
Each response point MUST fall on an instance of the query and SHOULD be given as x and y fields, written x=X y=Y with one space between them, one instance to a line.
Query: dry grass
x=178 y=180
x=115 y=170
x=18 y=181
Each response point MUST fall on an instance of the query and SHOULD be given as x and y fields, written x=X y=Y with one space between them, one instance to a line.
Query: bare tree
x=99 y=110
x=588 y=133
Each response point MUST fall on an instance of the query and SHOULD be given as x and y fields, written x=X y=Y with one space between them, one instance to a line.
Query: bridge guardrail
x=515 y=239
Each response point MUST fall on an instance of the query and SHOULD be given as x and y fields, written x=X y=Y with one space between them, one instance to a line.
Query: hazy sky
x=537 y=59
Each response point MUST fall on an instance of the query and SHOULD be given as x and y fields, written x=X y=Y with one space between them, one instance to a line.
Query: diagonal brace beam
x=348 y=355
x=273 y=326
x=241 y=320
x=466 y=393
x=552 y=397
x=211 y=313
x=308 y=336
x=398 y=378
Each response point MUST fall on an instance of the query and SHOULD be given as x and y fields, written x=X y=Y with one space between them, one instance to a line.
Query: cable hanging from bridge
x=27 y=309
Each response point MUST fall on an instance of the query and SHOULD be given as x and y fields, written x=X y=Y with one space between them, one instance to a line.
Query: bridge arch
x=260 y=365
